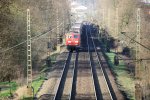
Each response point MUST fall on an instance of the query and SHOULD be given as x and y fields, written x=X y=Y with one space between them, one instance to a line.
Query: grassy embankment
x=12 y=86
x=5 y=92
x=125 y=81
x=39 y=81
x=7 y=88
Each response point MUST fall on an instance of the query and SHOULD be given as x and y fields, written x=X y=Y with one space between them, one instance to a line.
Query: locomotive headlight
x=76 y=41
x=69 y=41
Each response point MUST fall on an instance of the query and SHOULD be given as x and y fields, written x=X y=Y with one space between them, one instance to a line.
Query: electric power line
x=137 y=42
x=33 y=38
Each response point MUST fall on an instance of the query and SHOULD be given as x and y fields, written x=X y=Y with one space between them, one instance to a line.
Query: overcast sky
x=146 y=1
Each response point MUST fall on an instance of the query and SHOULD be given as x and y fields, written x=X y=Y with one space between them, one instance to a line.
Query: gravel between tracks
x=84 y=86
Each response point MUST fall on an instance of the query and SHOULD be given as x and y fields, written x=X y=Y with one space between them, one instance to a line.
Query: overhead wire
x=137 y=42
x=33 y=38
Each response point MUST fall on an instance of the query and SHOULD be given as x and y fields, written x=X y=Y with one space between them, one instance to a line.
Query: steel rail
x=60 y=86
x=74 y=79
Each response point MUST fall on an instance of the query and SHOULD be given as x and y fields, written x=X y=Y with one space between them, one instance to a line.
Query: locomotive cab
x=73 y=38
x=72 y=41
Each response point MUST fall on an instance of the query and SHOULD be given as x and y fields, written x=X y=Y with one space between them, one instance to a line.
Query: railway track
x=94 y=89
x=83 y=76
x=85 y=81
x=103 y=93
x=65 y=87
x=60 y=87
x=74 y=79
x=70 y=77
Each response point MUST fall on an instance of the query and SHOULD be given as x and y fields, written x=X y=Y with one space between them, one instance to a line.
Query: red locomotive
x=73 y=38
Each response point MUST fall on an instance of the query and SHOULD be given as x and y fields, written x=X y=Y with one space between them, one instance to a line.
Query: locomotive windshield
x=75 y=36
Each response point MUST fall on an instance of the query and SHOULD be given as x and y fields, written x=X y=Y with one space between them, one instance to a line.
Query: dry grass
x=125 y=81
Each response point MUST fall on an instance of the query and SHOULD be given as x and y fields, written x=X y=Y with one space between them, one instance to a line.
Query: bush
x=126 y=51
